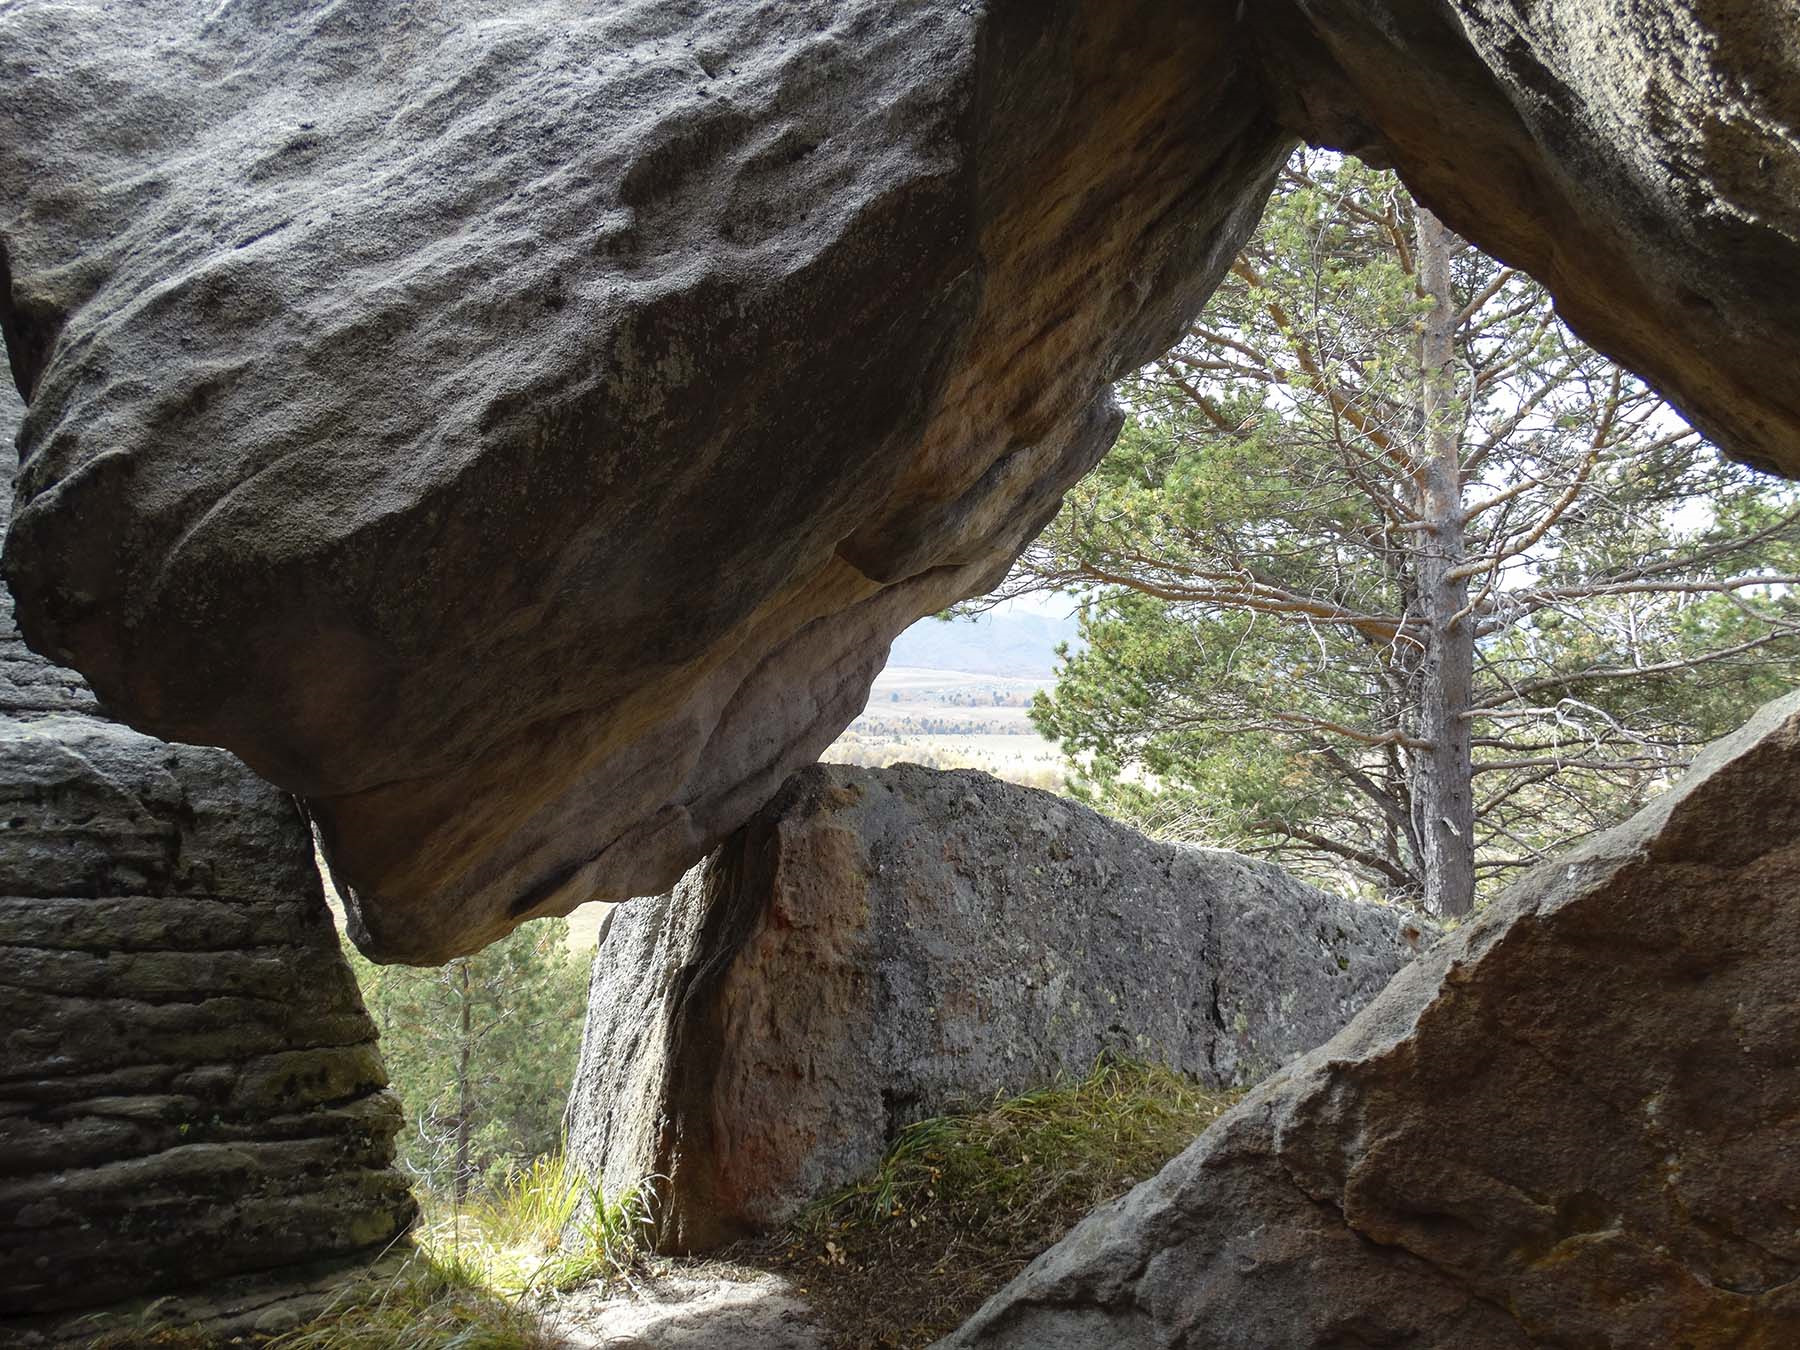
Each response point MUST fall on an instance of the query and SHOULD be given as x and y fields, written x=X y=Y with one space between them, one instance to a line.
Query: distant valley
x=956 y=695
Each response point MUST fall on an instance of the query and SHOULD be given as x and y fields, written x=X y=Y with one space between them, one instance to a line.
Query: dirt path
x=695 y=1309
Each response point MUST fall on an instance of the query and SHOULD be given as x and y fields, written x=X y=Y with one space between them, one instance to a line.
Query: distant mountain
x=1011 y=643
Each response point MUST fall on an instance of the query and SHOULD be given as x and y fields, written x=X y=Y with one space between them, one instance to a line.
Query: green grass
x=433 y=1303
x=544 y=1227
x=479 y=1277
x=427 y=1303
x=962 y=1202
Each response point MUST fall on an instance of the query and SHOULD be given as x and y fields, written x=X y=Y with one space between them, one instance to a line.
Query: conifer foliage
x=481 y=1051
x=1390 y=574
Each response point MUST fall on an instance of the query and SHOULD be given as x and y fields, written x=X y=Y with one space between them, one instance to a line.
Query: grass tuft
x=432 y=1303
x=963 y=1202
x=544 y=1227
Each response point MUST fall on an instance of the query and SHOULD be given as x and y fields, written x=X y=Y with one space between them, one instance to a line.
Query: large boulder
x=191 y=1102
x=877 y=946
x=521 y=433
x=1571 y=1123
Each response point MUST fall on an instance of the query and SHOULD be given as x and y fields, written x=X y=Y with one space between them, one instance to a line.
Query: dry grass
x=958 y=1207
x=962 y=1203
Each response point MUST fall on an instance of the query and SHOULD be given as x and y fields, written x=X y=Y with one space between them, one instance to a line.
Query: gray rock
x=712 y=1308
x=189 y=1086
x=882 y=945
x=1570 y=1123
x=522 y=433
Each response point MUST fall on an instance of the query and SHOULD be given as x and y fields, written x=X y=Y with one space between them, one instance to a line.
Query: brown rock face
x=878 y=946
x=537 y=428
x=190 y=1093
x=521 y=434
x=1571 y=1124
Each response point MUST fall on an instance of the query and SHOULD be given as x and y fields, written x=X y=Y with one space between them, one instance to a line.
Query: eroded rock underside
x=191 y=1102
x=881 y=945
x=522 y=432
x=1571 y=1124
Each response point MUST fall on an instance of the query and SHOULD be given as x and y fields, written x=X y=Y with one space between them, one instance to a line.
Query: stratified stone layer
x=881 y=945
x=189 y=1086
x=1571 y=1123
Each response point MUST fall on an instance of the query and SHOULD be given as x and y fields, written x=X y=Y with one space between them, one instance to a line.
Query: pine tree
x=1392 y=575
x=481 y=1051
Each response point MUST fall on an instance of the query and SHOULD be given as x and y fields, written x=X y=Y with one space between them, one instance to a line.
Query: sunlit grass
x=432 y=1303
x=544 y=1227
x=480 y=1275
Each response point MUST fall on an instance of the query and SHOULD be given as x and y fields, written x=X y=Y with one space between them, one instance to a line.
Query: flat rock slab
x=882 y=945
x=1571 y=1123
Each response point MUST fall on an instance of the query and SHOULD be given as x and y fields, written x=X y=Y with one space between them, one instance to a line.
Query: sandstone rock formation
x=522 y=433
x=1569 y=1124
x=878 y=946
x=189 y=1086
x=537 y=426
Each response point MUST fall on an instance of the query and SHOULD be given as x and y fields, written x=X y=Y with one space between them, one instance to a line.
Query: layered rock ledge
x=1570 y=1124
x=877 y=946
x=191 y=1101
x=521 y=433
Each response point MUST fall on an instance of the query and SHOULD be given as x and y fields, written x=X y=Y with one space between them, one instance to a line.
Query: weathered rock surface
x=522 y=434
x=878 y=946
x=1570 y=1124
x=189 y=1086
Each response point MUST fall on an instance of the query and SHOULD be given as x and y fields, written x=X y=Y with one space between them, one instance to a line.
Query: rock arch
x=522 y=435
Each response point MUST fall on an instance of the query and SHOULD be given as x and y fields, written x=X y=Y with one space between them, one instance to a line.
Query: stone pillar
x=191 y=1099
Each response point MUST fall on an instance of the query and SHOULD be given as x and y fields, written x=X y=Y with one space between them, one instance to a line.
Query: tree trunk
x=465 y=1088
x=1443 y=775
